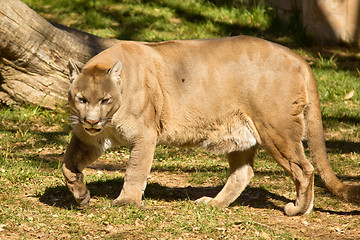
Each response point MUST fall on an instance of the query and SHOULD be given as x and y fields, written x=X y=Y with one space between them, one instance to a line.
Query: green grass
x=157 y=20
x=34 y=202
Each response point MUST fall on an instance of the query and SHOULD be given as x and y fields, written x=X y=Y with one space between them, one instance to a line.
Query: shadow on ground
x=252 y=197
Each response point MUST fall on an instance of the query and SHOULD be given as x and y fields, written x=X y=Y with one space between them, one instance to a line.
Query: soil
x=325 y=222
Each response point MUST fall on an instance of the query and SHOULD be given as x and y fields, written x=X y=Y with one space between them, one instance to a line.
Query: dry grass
x=35 y=204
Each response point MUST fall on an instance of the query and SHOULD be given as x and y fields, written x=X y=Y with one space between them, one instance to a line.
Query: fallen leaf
x=349 y=95
x=2 y=227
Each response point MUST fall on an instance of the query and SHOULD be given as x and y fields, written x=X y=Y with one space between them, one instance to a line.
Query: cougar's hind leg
x=290 y=155
x=77 y=157
x=240 y=174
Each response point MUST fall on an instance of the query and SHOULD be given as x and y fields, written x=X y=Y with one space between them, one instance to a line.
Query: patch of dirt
x=331 y=218
x=325 y=222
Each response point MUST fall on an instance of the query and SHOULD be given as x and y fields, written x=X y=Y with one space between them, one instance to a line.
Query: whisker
x=74 y=119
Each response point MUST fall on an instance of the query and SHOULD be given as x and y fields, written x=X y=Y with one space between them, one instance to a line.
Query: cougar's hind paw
x=203 y=200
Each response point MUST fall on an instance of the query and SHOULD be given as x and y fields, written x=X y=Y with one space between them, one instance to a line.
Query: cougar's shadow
x=254 y=197
x=60 y=196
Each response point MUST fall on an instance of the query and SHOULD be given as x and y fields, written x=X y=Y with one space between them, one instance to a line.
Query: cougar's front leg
x=77 y=157
x=137 y=171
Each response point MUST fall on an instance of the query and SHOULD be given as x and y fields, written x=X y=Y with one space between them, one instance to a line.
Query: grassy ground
x=34 y=202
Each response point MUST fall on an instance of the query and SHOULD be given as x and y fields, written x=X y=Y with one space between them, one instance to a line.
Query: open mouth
x=93 y=130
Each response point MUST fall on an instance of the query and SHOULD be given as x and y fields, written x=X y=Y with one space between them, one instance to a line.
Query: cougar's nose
x=92 y=122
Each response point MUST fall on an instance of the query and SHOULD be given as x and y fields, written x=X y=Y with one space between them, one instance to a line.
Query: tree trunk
x=34 y=55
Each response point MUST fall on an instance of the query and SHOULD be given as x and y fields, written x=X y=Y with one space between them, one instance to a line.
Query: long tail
x=316 y=142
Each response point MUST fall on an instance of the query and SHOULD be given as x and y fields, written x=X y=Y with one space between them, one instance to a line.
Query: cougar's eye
x=105 y=101
x=82 y=100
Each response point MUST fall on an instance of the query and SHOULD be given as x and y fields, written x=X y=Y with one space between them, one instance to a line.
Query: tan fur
x=227 y=95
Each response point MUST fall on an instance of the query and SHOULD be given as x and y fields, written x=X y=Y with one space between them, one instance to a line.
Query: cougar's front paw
x=80 y=192
x=125 y=201
x=83 y=200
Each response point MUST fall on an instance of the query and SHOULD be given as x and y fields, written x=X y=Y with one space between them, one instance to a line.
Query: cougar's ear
x=74 y=70
x=115 y=72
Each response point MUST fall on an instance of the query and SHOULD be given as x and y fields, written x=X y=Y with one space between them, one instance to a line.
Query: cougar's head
x=94 y=95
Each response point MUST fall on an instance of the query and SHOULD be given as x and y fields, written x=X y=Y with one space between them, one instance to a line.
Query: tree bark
x=34 y=55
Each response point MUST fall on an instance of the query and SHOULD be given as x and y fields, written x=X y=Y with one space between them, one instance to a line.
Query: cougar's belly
x=229 y=139
x=216 y=137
